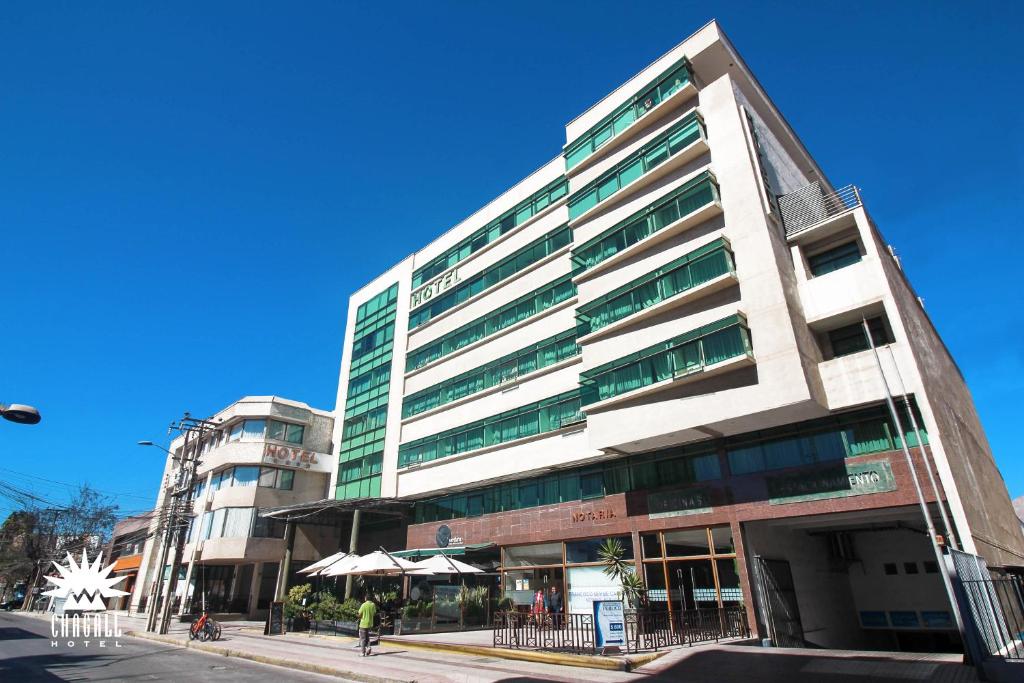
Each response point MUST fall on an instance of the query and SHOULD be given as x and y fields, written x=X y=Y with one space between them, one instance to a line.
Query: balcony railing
x=811 y=205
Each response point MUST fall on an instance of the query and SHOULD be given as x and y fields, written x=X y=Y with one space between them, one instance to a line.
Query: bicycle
x=204 y=628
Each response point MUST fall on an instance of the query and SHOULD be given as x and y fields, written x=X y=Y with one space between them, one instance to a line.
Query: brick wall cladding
x=734 y=500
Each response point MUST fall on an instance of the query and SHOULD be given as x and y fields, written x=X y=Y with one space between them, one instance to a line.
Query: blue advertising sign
x=609 y=623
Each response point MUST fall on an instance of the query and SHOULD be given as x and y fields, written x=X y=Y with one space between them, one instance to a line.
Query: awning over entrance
x=452 y=550
x=127 y=562
x=330 y=506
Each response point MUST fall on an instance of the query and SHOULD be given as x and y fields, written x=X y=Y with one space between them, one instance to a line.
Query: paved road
x=27 y=656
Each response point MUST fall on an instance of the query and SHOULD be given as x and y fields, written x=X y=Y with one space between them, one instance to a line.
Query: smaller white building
x=264 y=452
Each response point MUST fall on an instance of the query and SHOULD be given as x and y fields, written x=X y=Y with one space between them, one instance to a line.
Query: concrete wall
x=960 y=447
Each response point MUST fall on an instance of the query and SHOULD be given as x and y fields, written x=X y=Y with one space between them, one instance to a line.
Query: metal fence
x=997 y=610
x=810 y=205
x=558 y=632
x=644 y=629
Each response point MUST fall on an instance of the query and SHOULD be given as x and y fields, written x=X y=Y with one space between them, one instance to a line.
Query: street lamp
x=150 y=443
x=20 y=413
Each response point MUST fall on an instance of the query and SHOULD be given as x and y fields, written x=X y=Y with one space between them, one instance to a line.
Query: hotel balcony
x=812 y=207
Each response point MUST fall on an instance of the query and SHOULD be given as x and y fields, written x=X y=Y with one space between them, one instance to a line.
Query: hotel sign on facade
x=435 y=287
x=284 y=456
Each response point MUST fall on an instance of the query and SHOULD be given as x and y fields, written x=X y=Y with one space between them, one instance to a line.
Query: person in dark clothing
x=553 y=605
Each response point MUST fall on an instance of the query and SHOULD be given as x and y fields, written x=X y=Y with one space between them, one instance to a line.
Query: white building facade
x=264 y=452
x=657 y=337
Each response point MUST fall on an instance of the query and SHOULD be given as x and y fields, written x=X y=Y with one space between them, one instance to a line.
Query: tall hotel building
x=657 y=336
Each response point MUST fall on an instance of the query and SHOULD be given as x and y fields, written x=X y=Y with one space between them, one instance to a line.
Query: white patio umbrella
x=326 y=562
x=442 y=564
x=377 y=563
x=339 y=566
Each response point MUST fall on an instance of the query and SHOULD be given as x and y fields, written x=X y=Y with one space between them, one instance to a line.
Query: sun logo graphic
x=84 y=585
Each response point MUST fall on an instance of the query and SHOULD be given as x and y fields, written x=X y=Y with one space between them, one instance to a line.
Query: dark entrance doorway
x=778 y=602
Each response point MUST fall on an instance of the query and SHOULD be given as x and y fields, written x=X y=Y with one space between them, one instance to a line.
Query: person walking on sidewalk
x=367 y=614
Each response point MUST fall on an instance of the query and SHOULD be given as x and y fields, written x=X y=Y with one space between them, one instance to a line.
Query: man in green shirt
x=367 y=613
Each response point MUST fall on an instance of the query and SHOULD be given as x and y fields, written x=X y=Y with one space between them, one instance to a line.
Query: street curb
x=626 y=664
x=582 y=661
x=263 y=659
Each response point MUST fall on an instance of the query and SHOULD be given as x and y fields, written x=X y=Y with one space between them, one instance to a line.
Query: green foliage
x=506 y=604
x=612 y=554
x=348 y=610
x=293 y=602
x=327 y=608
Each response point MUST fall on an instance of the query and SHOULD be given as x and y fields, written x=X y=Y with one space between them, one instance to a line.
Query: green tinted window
x=686 y=272
x=834 y=259
x=644 y=160
x=682 y=355
x=501 y=371
x=492 y=231
x=533 y=303
x=648 y=97
x=683 y=201
x=536 y=418
x=506 y=268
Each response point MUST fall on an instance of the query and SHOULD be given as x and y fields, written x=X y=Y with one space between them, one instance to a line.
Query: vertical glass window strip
x=362 y=442
x=648 y=97
x=492 y=231
x=644 y=160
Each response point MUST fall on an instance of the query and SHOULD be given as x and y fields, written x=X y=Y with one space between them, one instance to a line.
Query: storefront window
x=652 y=545
x=729 y=581
x=686 y=542
x=533 y=555
x=721 y=540
x=522 y=584
x=694 y=581
x=578 y=552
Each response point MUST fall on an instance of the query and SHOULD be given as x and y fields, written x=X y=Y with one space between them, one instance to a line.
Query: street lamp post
x=20 y=413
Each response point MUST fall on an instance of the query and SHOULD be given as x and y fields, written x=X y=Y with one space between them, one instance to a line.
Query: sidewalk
x=415 y=658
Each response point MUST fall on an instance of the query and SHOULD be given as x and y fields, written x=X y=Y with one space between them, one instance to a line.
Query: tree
x=32 y=538
x=611 y=552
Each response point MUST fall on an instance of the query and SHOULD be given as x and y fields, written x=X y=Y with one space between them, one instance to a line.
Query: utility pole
x=194 y=430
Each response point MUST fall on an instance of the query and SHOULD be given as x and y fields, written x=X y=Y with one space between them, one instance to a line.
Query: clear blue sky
x=189 y=192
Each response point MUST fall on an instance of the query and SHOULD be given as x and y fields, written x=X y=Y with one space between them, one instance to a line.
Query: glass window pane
x=687 y=542
x=285 y=480
x=652 y=545
x=246 y=476
x=631 y=173
x=526 y=555
x=721 y=539
x=587 y=551
x=592 y=485
x=276 y=429
x=268 y=477
x=607 y=188
x=253 y=430
x=294 y=433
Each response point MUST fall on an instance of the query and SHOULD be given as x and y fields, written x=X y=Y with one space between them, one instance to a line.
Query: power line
x=74 y=486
